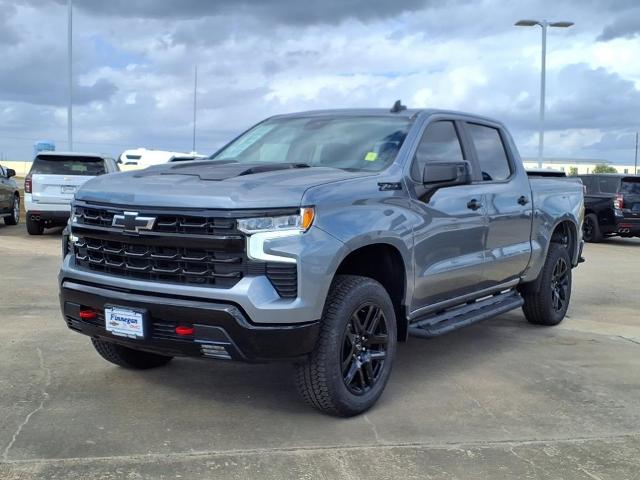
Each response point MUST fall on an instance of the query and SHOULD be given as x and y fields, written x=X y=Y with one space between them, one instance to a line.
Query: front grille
x=160 y=263
x=182 y=224
x=202 y=250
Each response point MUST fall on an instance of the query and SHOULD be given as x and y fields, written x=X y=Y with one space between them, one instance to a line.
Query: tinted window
x=630 y=187
x=609 y=184
x=492 y=157
x=63 y=165
x=347 y=142
x=591 y=184
x=439 y=143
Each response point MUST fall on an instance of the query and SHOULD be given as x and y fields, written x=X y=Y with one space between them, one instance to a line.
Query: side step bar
x=463 y=315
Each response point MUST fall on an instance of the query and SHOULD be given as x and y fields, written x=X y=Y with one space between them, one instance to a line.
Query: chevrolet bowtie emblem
x=131 y=222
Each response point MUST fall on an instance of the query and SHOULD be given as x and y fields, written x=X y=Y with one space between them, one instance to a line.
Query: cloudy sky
x=134 y=66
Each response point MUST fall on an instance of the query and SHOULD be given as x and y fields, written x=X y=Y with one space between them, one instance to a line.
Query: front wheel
x=351 y=363
x=548 y=305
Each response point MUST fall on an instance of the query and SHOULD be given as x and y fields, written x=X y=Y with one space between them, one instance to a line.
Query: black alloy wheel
x=560 y=285
x=364 y=348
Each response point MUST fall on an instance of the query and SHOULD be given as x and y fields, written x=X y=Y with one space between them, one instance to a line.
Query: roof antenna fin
x=398 y=107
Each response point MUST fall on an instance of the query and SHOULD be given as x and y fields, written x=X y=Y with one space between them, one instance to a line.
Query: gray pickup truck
x=321 y=238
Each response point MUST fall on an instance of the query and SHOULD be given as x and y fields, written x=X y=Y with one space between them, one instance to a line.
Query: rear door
x=56 y=178
x=507 y=191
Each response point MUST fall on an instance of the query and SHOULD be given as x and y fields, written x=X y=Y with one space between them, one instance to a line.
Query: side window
x=439 y=143
x=590 y=183
x=492 y=156
x=2 y=174
x=609 y=184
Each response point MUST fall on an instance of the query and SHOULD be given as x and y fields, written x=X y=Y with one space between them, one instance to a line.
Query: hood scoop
x=219 y=170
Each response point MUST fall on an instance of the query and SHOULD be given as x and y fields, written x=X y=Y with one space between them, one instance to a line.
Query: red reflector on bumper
x=88 y=314
x=185 y=331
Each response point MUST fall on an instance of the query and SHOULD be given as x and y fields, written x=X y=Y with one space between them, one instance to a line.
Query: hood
x=211 y=185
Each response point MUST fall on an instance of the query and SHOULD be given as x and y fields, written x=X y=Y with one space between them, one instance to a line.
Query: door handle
x=523 y=200
x=474 y=204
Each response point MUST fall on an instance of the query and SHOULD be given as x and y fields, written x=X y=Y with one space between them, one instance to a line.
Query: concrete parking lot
x=501 y=399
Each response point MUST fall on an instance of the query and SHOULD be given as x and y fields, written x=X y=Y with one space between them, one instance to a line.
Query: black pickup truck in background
x=612 y=206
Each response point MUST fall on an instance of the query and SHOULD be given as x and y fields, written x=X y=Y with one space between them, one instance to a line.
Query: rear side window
x=63 y=165
x=630 y=186
x=591 y=184
x=492 y=156
x=609 y=184
x=439 y=143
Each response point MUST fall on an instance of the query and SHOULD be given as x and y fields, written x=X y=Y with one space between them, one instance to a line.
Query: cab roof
x=410 y=113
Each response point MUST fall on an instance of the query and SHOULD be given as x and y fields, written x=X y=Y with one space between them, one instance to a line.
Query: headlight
x=297 y=223
x=262 y=230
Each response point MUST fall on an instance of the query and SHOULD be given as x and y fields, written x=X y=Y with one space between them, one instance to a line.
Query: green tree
x=602 y=168
x=573 y=171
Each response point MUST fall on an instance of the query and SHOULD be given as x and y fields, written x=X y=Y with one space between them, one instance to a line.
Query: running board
x=461 y=316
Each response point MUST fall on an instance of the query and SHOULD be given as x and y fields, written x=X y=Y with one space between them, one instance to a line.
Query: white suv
x=53 y=180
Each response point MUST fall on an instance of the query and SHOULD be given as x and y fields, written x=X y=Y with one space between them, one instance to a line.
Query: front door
x=449 y=242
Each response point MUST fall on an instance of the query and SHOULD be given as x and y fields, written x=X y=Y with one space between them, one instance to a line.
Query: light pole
x=635 y=162
x=195 y=104
x=543 y=24
x=70 y=72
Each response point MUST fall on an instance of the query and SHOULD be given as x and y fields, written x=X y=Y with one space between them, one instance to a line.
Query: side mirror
x=10 y=172
x=445 y=174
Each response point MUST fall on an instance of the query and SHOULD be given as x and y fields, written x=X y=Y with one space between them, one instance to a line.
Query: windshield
x=352 y=143
x=67 y=165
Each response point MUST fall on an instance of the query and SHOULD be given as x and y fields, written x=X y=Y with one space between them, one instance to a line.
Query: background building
x=584 y=165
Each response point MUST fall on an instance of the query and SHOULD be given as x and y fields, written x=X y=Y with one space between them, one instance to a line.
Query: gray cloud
x=134 y=67
x=627 y=26
x=287 y=11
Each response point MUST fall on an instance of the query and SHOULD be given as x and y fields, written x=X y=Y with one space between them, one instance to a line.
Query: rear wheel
x=128 y=357
x=34 y=227
x=549 y=304
x=351 y=363
x=591 y=229
x=14 y=218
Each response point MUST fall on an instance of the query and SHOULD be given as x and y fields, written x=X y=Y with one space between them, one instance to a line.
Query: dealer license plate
x=124 y=322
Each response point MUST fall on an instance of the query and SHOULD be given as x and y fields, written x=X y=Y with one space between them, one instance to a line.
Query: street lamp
x=70 y=74
x=543 y=24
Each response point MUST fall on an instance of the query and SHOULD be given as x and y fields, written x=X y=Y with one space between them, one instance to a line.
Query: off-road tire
x=539 y=307
x=321 y=379
x=591 y=229
x=34 y=227
x=14 y=218
x=128 y=357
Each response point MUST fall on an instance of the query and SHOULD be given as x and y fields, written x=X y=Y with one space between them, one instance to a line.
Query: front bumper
x=221 y=330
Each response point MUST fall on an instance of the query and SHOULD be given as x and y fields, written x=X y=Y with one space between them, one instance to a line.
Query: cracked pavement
x=501 y=399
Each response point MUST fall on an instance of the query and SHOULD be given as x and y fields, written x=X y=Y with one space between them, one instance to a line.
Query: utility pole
x=195 y=104
x=70 y=73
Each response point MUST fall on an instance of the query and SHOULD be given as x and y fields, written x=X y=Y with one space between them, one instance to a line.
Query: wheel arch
x=564 y=232
x=384 y=263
